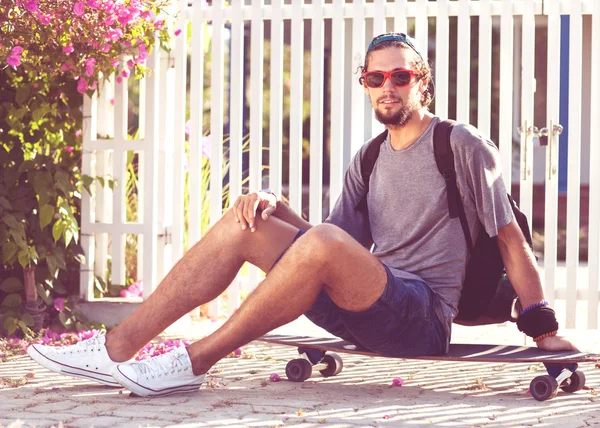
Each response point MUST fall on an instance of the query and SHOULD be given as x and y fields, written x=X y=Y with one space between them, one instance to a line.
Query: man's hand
x=247 y=206
x=556 y=343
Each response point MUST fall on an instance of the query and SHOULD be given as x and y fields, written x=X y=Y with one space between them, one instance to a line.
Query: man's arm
x=521 y=269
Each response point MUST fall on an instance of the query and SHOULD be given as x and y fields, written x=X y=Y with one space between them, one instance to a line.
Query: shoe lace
x=163 y=365
x=87 y=345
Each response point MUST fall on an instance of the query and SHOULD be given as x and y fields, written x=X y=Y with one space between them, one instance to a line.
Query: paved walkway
x=240 y=394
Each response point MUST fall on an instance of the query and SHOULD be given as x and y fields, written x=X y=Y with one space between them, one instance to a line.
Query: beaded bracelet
x=543 y=336
x=535 y=305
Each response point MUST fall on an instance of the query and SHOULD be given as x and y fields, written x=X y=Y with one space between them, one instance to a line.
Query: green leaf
x=18 y=236
x=63 y=182
x=44 y=294
x=33 y=255
x=59 y=287
x=100 y=284
x=52 y=265
x=46 y=215
x=130 y=156
x=26 y=166
x=87 y=182
x=66 y=321
x=10 y=330
x=9 y=321
x=68 y=237
x=11 y=285
x=9 y=249
x=11 y=221
x=78 y=253
x=12 y=301
x=38 y=114
x=5 y=203
x=23 y=94
x=58 y=229
x=24 y=259
x=28 y=320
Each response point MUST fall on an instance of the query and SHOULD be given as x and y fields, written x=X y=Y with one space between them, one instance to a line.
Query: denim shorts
x=402 y=322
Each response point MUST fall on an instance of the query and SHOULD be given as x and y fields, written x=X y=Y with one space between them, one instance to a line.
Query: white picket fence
x=339 y=31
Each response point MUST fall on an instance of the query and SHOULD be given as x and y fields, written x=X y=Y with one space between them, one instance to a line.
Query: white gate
x=311 y=52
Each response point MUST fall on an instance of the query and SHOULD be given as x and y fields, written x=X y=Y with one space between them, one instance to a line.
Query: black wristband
x=538 y=321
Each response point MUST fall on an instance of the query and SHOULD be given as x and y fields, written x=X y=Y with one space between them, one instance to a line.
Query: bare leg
x=325 y=257
x=201 y=275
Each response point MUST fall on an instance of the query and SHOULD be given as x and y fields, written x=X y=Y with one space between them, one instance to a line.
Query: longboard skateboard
x=320 y=354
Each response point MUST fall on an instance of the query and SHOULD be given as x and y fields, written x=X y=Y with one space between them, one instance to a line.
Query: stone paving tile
x=240 y=394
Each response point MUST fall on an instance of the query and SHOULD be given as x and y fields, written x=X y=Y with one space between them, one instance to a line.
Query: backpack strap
x=444 y=158
x=367 y=164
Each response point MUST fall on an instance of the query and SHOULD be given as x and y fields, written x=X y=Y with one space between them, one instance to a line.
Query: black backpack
x=487 y=297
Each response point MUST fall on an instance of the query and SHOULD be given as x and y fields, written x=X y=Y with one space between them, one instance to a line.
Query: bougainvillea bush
x=51 y=53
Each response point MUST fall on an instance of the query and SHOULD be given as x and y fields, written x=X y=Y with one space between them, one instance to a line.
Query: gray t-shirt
x=409 y=228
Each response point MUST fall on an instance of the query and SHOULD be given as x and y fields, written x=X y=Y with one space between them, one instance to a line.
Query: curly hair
x=421 y=66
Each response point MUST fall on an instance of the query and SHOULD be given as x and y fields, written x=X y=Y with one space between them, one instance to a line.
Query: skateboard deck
x=321 y=354
x=457 y=352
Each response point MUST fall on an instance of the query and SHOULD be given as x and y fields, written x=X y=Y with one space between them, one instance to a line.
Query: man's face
x=394 y=106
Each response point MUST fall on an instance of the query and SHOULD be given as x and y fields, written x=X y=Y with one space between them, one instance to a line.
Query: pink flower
x=206 y=146
x=59 y=304
x=125 y=73
x=45 y=18
x=79 y=8
x=238 y=352
x=82 y=86
x=68 y=49
x=93 y=4
x=188 y=127
x=274 y=377
x=78 y=134
x=159 y=23
x=143 y=54
x=89 y=66
x=32 y=6
x=13 y=61
x=66 y=67
x=397 y=381
x=16 y=51
x=106 y=48
x=115 y=34
x=109 y=21
x=114 y=62
x=130 y=64
x=94 y=85
x=177 y=32
x=112 y=101
x=119 y=79
x=68 y=149
x=134 y=290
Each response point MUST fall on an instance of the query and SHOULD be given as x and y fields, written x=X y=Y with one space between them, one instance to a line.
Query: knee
x=227 y=227
x=325 y=241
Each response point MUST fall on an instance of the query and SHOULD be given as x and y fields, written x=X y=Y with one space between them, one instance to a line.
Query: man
x=399 y=299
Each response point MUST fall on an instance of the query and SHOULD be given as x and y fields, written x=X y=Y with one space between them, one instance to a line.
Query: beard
x=398 y=118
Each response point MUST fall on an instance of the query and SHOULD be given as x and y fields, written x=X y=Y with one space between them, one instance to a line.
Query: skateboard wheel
x=574 y=383
x=543 y=388
x=334 y=364
x=298 y=370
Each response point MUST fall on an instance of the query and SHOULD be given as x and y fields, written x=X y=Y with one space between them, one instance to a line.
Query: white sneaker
x=87 y=359
x=162 y=375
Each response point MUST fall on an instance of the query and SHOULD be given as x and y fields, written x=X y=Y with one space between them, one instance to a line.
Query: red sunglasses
x=376 y=79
